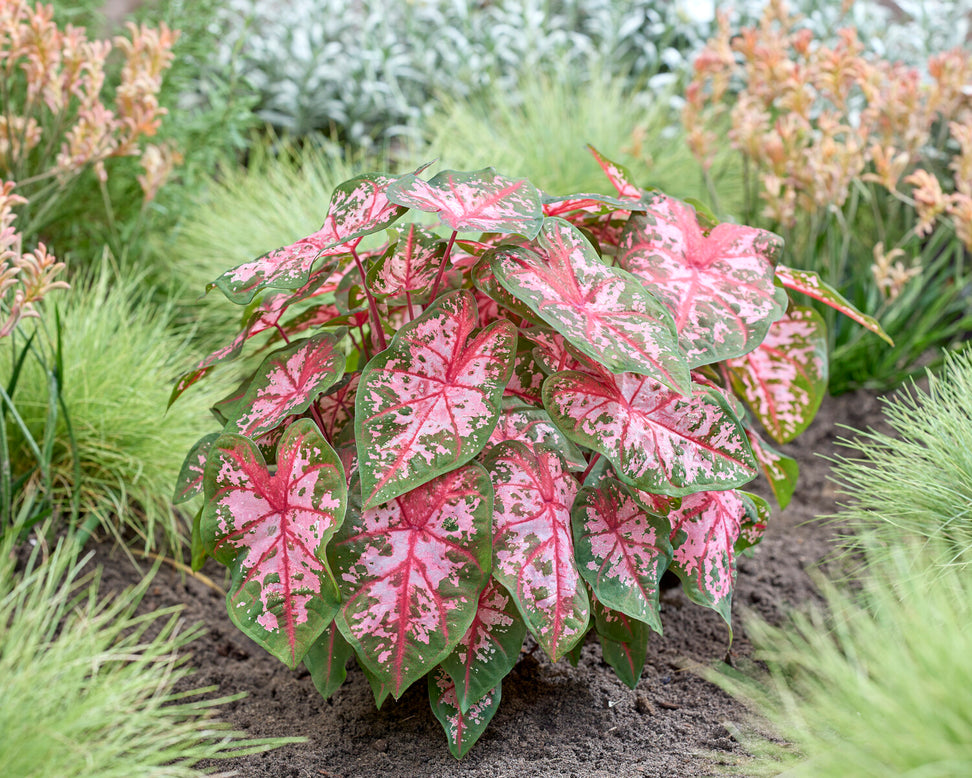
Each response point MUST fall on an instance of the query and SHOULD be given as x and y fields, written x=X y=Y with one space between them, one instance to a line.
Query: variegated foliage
x=495 y=434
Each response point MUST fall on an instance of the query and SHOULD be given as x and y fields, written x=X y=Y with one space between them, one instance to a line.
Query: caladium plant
x=512 y=423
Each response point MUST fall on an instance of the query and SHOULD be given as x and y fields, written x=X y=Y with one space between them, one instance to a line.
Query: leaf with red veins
x=554 y=354
x=410 y=265
x=755 y=521
x=479 y=201
x=622 y=550
x=336 y=407
x=485 y=282
x=411 y=571
x=462 y=729
x=719 y=286
x=624 y=642
x=359 y=207
x=428 y=403
x=603 y=311
x=190 y=480
x=619 y=177
x=656 y=439
x=781 y=471
x=589 y=204
x=527 y=380
x=532 y=427
x=704 y=533
x=533 y=555
x=489 y=649
x=270 y=529
x=286 y=383
x=785 y=379
x=327 y=660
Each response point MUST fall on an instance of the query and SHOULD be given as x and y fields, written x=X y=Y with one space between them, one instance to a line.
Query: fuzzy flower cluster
x=810 y=119
x=25 y=277
x=54 y=121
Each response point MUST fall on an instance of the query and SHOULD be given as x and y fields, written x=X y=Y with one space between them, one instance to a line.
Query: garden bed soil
x=555 y=720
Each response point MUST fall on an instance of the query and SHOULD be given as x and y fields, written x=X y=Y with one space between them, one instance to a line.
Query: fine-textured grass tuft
x=88 y=686
x=916 y=481
x=874 y=684
x=120 y=359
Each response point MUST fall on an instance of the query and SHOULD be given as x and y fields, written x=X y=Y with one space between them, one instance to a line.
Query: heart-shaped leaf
x=657 y=439
x=411 y=571
x=719 y=286
x=479 y=201
x=619 y=177
x=624 y=642
x=271 y=529
x=781 y=471
x=359 y=207
x=286 y=383
x=704 y=533
x=429 y=402
x=533 y=555
x=462 y=729
x=603 y=311
x=785 y=379
x=409 y=265
x=812 y=285
x=190 y=480
x=533 y=427
x=327 y=660
x=489 y=649
x=622 y=550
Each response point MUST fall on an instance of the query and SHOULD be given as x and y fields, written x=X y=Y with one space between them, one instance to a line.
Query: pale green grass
x=876 y=684
x=88 y=687
x=915 y=482
x=120 y=360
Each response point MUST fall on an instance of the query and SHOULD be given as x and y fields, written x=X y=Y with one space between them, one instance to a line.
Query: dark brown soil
x=555 y=720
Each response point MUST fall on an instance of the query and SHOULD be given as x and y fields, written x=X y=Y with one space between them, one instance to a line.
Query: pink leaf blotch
x=603 y=311
x=271 y=530
x=719 y=286
x=286 y=383
x=489 y=649
x=190 y=480
x=480 y=201
x=409 y=265
x=785 y=379
x=619 y=177
x=359 y=207
x=781 y=471
x=656 y=439
x=533 y=427
x=462 y=728
x=622 y=550
x=411 y=571
x=429 y=402
x=533 y=554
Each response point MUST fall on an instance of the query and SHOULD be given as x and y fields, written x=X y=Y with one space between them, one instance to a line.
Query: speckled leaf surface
x=410 y=264
x=489 y=649
x=603 y=311
x=270 y=529
x=526 y=382
x=704 y=533
x=327 y=659
x=533 y=553
x=480 y=201
x=336 y=407
x=619 y=177
x=533 y=427
x=429 y=402
x=411 y=571
x=190 y=480
x=719 y=286
x=785 y=379
x=462 y=729
x=624 y=642
x=781 y=471
x=656 y=439
x=286 y=383
x=359 y=207
x=622 y=550
x=810 y=284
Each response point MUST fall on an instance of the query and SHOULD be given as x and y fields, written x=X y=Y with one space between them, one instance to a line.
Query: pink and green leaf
x=624 y=642
x=462 y=729
x=603 y=311
x=656 y=439
x=489 y=649
x=719 y=287
x=533 y=554
x=190 y=480
x=409 y=265
x=336 y=407
x=411 y=571
x=784 y=379
x=809 y=283
x=705 y=530
x=532 y=427
x=271 y=530
x=327 y=660
x=754 y=523
x=526 y=382
x=479 y=201
x=781 y=471
x=429 y=403
x=619 y=177
x=287 y=382
x=622 y=550
x=359 y=207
